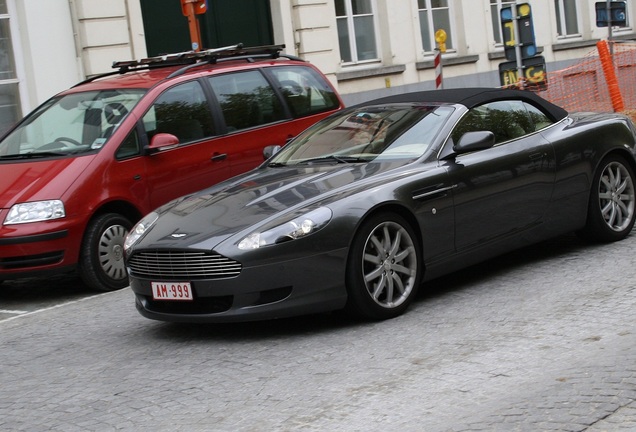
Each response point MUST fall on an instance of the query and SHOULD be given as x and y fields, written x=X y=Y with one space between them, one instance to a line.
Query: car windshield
x=368 y=134
x=70 y=124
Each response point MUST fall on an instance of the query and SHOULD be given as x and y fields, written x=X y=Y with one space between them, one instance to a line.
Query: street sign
x=534 y=72
x=618 y=16
x=526 y=39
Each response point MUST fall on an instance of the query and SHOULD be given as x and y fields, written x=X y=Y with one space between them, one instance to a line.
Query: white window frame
x=432 y=29
x=561 y=15
x=17 y=59
x=352 y=35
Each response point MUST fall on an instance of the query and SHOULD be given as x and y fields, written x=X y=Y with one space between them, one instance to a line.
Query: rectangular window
x=182 y=111
x=10 y=111
x=246 y=99
x=495 y=7
x=356 y=30
x=567 y=18
x=434 y=16
x=304 y=90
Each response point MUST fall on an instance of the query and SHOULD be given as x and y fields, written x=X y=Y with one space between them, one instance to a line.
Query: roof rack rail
x=210 y=56
x=192 y=59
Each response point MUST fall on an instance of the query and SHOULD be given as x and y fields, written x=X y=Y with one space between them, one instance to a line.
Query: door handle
x=218 y=157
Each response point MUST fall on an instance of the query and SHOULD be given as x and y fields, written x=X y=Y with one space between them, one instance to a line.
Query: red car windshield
x=70 y=124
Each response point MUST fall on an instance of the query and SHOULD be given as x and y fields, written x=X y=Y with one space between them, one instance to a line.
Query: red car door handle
x=218 y=157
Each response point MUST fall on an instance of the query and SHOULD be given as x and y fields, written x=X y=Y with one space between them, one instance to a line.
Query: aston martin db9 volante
x=369 y=203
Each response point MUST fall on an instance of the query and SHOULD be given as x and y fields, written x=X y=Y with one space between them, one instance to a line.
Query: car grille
x=182 y=264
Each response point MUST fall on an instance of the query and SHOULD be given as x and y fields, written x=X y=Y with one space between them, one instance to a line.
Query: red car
x=82 y=168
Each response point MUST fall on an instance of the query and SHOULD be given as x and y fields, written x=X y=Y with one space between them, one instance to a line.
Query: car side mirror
x=473 y=141
x=270 y=151
x=470 y=141
x=162 y=142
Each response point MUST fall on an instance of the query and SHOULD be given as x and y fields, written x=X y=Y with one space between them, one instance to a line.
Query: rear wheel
x=101 y=264
x=384 y=267
x=611 y=212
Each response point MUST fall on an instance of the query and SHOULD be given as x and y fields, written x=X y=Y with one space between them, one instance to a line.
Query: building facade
x=367 y=48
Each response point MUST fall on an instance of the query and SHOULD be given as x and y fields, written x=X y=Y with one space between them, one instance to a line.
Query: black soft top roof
x=471 y=97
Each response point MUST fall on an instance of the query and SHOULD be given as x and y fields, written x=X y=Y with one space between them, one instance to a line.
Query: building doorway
x=226 y=22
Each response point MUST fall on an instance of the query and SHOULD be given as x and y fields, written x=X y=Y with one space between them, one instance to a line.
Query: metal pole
x=608 y=11
x=515 y=24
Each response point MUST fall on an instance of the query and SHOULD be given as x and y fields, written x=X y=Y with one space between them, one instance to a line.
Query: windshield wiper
x=32 y=155
x=333 y=158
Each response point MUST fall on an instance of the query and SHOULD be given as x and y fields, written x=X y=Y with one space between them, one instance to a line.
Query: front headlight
x=300 y=226
x=36 y=211
x=140 y=229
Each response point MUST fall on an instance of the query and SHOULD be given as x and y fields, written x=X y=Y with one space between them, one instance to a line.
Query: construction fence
x=603 y=81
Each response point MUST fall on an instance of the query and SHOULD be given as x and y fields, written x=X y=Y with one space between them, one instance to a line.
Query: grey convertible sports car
x=366 y=205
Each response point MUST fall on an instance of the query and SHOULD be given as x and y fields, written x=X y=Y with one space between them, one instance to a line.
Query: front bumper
x=38 y=249
x=299 y=286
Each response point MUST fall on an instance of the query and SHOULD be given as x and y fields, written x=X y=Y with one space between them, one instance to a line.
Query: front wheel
x=101 y=264
x=610 y=214
x=384 y=268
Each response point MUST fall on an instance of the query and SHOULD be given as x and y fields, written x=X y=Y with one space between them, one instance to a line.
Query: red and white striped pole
x=440 y=38
x=439 y=79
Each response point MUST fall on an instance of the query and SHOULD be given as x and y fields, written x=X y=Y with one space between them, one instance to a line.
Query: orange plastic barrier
x=600 y=81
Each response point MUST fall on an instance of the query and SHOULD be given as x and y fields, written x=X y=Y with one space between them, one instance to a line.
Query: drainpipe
x=76 y=38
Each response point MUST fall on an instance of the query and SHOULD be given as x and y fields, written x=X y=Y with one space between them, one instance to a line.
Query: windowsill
x=562 y=46
x=620 y=36
x=447 y=61
x=370 y=72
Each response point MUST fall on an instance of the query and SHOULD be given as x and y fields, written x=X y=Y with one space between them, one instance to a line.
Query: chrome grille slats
x=182 y=264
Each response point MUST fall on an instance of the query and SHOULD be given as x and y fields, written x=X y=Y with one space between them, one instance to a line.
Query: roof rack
x=210 y=56
x=192 y=59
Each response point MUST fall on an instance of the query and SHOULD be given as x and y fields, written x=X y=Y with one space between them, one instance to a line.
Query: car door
x=504 y=190
x=200 y=159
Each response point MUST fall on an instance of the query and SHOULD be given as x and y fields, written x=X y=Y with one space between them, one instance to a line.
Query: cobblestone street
x=539 y=340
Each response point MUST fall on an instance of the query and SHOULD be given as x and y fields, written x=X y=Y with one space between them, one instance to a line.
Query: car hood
x=39 y=179
x=205 y=219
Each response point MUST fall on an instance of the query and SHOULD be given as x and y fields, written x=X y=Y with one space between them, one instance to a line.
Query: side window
x=506 y=119
x=304 y=90
x=129 y=147
x=537 y=117
x=182 y=111
x=247 y=100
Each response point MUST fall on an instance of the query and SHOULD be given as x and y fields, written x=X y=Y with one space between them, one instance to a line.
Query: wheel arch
x=123 y=208
x=620 y=151
x=402 y=210
x=624 y=152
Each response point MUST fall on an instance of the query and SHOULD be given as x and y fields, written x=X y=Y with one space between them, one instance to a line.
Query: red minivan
x=82 y=168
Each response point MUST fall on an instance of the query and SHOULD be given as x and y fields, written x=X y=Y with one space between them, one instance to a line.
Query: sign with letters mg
x=534 y=72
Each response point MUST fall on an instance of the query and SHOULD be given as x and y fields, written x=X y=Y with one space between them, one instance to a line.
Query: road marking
x=12 y=311
x=57 y=306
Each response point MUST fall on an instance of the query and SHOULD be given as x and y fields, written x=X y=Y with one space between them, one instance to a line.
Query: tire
x=101 y=264
x=384 y=268
x=611 y=209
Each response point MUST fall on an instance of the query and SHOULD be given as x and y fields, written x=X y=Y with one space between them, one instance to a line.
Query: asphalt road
x=543 y=339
